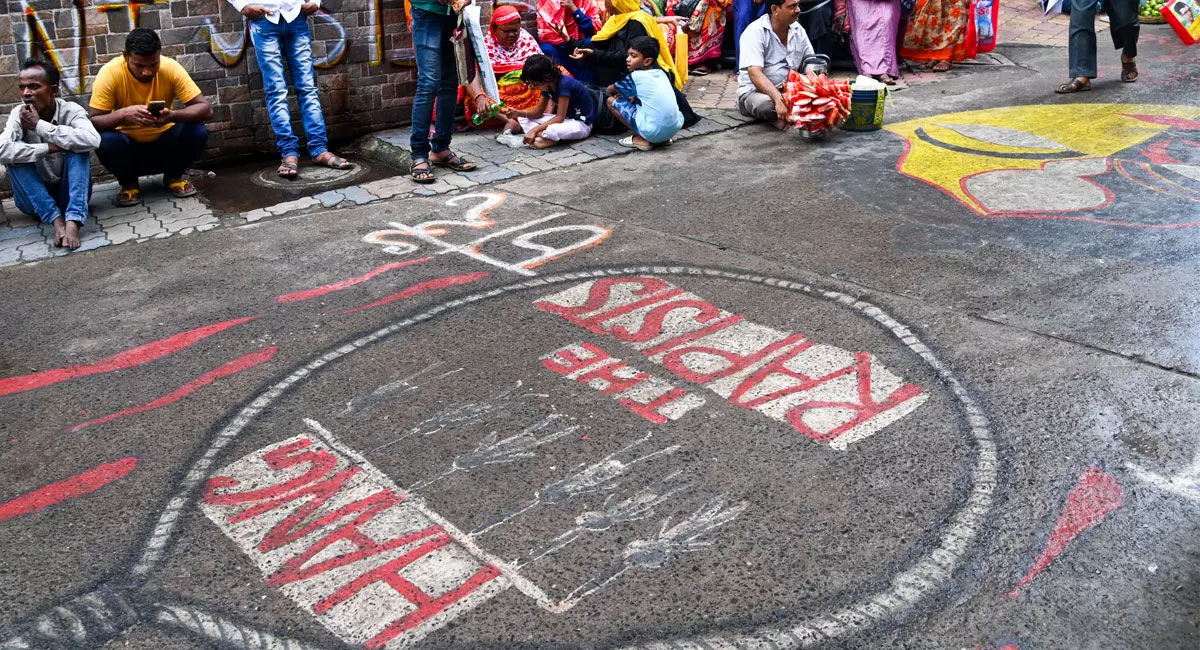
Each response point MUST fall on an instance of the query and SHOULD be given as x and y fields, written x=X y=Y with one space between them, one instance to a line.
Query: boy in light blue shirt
x=644 y=100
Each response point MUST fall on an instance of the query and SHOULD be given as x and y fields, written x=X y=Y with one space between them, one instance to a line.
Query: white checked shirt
x=289 y=9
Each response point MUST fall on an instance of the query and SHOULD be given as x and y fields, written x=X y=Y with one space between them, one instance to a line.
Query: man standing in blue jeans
x=433 y=25
x=47 y=147
x=279 y=30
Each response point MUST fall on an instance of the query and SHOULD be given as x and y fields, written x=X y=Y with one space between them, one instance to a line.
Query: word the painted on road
x=82 y=483
x=831 y=395
x=441 y=236
x=372 y=563
x=652 y=398
x=1094 y=496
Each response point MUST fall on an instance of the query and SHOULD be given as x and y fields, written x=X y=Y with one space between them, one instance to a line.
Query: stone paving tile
x=120 y=233
x=461 y=180
x=148 y=227
x=291 y=206
x=491 y=175
x=330 y=198
x=386 y=188
x=358 y=195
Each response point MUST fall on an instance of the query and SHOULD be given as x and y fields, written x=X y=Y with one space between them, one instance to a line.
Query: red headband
x=505 y=14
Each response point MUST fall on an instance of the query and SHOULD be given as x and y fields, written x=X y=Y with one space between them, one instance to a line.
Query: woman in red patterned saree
x=508 y=45
x=937 y=33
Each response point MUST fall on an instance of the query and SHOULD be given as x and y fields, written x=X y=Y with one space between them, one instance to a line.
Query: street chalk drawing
x=1090 y=164
x=317 y=292
x=442 y=236
x=128 y=359
x=831 y=395
x=652 y=398
x=1091 y=500
x=232 y=368
x=329 y=530
x=80 y=484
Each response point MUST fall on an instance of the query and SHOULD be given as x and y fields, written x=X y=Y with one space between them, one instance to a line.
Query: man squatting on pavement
x=47 y=148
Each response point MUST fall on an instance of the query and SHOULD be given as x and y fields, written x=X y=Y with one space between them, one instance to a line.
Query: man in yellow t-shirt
x=140 y=133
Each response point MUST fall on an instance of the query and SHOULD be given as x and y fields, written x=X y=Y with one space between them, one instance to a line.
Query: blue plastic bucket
x=866 y=110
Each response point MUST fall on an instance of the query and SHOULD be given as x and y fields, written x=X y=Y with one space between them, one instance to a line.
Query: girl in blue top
x=645 y=99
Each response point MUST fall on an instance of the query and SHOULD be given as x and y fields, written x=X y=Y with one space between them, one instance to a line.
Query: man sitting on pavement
x=770 y=47
x=47 y=147
x=140 y=134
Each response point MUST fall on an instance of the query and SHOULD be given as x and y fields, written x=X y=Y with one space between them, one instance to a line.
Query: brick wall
x=363 y=51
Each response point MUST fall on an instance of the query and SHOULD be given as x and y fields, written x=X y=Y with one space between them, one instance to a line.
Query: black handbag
x=686 y=8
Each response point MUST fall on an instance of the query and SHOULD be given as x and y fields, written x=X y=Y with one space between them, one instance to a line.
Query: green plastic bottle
x=493 y=111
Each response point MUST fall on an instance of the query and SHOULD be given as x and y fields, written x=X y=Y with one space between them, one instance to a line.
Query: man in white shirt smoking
x=279 y=30
x=47 y=147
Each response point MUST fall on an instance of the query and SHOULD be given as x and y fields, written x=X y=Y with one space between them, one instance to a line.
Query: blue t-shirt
x=658 y=117
x=580 y=103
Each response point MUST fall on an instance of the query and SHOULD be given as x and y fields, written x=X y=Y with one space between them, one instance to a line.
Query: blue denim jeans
x=744 y=13
x=437 y=82
x=69 y=198
x=293 y=41
x=1081 y=40
x=170 y=155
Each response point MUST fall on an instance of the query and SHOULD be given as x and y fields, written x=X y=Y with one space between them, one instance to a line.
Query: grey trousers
x=1081 y=44
x=758 y=105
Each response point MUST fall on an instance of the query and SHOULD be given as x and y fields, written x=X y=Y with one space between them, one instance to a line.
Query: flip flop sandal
x=1073 y=86
x=627 y=141
x=289 y=169
x=127 y=197
x=699 y=72
x=455 y=162
x=332 y=161
x=1129 y=71
x=423 y=176
x=182 y=188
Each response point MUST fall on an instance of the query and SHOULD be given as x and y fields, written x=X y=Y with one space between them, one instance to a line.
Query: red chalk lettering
x=652 y=324
x=600 y=293
x=294 y=569
x=652 y=410
x=322 y=464
x=864 y=409
x=431 y=608
x=777 y=367
x=688 y=337
x=615 y=382
x=565 y=361
x=675 y=360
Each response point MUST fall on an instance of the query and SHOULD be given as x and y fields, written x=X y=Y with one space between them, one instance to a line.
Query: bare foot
x=542 y=143
x=941 y=66
x=60 y=230
x=642 y=142
x=71 y=235
x=781 y=124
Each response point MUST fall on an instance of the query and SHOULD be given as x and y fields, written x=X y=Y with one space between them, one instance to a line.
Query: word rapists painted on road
x=829 y=394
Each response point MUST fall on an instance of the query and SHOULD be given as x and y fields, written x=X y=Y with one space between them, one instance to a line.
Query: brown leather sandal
x=1129 y=71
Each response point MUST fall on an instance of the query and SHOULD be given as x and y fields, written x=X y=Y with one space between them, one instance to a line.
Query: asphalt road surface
x=929 y=387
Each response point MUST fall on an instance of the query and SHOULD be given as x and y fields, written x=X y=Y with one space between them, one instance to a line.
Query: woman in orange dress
x=937 y=34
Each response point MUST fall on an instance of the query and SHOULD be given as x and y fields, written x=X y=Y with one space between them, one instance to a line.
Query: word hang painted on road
x=461 y=236
x=831 y=395
x=373 y=564
x=654 y=399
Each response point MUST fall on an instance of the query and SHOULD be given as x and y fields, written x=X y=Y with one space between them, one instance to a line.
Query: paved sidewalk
x=22 y=239
x=1022 y=22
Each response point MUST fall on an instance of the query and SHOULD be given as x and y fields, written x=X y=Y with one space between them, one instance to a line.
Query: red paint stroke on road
x=1168 y=120
x=77 y=485
x=308 y=294
x=1095 y=495
x=127 y=359
x=233 y=367
x=422 y=287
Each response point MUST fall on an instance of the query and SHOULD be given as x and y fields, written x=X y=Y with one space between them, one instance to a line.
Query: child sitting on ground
x=645 y=99
x=574 y=107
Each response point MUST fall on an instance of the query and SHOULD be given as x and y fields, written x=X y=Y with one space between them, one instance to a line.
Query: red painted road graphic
x=1095 y=495
x=422 y=287
x=316 y=292
x=127 y=359
x=233 y=367
x=77 y=485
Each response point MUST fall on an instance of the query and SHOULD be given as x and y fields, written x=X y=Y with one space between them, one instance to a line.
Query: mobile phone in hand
x=156 y=107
